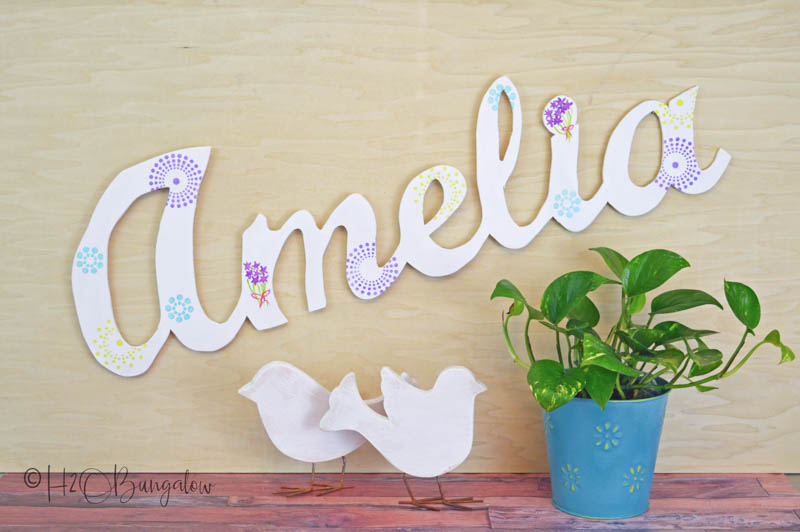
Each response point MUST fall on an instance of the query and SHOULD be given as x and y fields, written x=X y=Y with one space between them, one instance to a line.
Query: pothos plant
x=635 y=359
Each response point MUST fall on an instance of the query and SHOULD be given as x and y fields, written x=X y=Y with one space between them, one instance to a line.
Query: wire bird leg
x=292 y=491
x=341 y=485
x=458 y=502
x=428 y=502
x=420 y=503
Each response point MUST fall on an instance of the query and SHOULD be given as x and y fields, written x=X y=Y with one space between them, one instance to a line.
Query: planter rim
x=658 y=380
x=623 y=401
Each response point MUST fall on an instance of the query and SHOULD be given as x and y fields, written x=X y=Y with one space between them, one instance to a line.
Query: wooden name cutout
x=182 y=173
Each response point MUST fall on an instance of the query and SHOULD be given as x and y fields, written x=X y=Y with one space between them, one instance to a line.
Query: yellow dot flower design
x=681 y=116
x=455 y=189
x=607 y=436
x=110 y=349
x=634 y=478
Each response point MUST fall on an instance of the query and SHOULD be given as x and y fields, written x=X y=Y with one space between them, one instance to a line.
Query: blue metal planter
x=601 y=461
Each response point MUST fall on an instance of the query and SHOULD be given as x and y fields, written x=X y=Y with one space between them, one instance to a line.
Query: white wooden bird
x=291 y=405
x=425 y=433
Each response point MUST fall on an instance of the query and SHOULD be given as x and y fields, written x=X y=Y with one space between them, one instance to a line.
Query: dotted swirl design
x=682 y=117
x=362 y=284
x=448 y=178
x=179 y=173
x=678 y=164
x=111 y=350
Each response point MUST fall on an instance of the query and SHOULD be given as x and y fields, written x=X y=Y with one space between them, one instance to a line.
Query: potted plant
x=604 y=398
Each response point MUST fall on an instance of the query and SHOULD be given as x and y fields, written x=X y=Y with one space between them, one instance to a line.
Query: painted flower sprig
x=561 y=116
x=257 y=279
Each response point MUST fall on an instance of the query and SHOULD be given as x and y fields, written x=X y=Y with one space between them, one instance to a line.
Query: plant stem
x=509 y=345
x=747 y=356
x=528 y=339
x=650 y=379
x=735 y=353
x=619 y=388
x=649 y=321
x=558 y=348
x=680 y=372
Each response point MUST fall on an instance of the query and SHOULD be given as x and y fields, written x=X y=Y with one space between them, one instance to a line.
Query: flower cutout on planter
x=634 y=478
x=560 y=116
x=679 y=166
x=257 y=278
x=89 y=260
x=608 y=436
x=179 y=173
x=566 y=203
x=497 y=91
x=570 y=477
x=179 y=308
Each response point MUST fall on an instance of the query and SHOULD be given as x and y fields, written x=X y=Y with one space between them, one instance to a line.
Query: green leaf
x=774 y=338
x=614 y=260
x=670 y=358
x=506 y=288
x=599 y=383
x=564 y=292
x=633 y=342
x=597 y=353
x=636 y=303
x=516 y=308
x=535 y=313
x=704 y=361
x=650 y=270
x=584 y=311
x=744 y=303
x=683 y=299
x=551 y=385
x=647 y=337
x=702 y=388
x=672 y=331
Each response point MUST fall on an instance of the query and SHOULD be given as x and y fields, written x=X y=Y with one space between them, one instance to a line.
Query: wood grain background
x=306 y=102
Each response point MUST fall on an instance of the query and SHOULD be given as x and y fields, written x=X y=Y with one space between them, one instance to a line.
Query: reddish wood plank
x=290 y=516
x=514 y=501
x=658 y=519
x=706 y=487
x=262 y=484
x=777 y=484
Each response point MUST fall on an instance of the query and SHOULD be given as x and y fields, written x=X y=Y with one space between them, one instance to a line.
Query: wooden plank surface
x=510 y=501
x=305 y=102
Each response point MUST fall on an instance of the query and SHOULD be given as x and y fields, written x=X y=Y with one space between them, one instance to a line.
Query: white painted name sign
x=182 y=173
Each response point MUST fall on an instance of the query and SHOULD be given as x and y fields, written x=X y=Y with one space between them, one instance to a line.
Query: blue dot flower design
x=89 y=260
x=567 y=203
x=179 y=308
x=497 y=91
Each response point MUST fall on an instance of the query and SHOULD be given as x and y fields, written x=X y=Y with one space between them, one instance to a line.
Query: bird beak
x=247 y=391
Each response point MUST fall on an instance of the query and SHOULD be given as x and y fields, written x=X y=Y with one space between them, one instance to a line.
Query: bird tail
x=346 y=407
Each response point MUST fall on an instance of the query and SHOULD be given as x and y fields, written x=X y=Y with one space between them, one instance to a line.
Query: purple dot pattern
x=181 y=175
x=362 y=285
x=678 y=164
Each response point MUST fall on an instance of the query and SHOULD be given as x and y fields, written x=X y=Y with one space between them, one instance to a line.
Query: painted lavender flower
x=257 y=279
x=561 y=116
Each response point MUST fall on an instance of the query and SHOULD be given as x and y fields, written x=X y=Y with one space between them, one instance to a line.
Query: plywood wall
x=306 y=102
